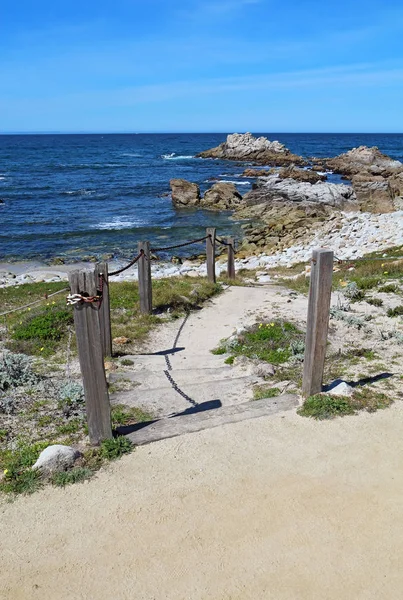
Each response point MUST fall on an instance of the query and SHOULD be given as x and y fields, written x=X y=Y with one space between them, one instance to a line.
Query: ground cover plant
x=275 y=342
x=326 y=406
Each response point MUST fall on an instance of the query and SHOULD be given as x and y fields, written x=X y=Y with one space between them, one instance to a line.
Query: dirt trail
x=280 y=507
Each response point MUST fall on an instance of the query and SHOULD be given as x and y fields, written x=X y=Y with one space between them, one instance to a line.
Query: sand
x=281 y=507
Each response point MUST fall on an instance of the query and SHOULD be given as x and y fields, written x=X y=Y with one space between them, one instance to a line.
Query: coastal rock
x=244 y=146
x=373 y=193
x=257 y=172
x=56 y=458
x=222 y=196
x=273 y=188
x=302 y=175
x=184 y=193
x=363 y=158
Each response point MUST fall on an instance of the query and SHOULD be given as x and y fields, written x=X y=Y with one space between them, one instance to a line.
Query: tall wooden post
x=320 y=290
x=210 y=253
x=88 y=333
x=231 y=258
x=145 y=285
x=101 y=271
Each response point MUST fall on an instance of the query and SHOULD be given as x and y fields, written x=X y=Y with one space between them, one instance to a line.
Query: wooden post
x=88 y=333
x=105 y=309
x=320 y=290
x=231 y=258
x=145 y=285
x=210 y=253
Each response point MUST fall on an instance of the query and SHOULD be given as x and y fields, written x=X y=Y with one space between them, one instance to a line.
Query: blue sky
x=213 y=65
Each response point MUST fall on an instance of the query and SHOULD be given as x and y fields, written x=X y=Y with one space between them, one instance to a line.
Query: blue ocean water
x=80 y=195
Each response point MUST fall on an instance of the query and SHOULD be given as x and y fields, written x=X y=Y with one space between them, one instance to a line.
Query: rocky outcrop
x=280 y=225
x=373 y=193
x=184 y=193
x=221 y=196
x=291 y=191
x=260 y=150
x=257 y=172
x=363 y=158
x=303 y=175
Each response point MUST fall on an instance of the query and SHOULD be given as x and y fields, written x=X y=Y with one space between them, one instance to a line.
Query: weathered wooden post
x=231 y=258
x=101 y=271
x=145 y=285
x=88 y=333
x=210 y=253
x=320 y=290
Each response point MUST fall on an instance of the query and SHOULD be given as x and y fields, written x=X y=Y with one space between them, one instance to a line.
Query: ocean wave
x=82 y=192
x=119 y=223
x=234 y=182
x=1 y=178
x=174 y=156
x=132 y=154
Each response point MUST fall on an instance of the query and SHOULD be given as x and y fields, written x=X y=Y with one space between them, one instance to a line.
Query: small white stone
x=56 y=458
x=342 y=389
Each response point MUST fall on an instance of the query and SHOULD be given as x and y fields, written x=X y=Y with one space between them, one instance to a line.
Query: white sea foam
x=235 y=182
x=173 y=156
x=118 y=223
x=134 y=155
x=82 y=192
x=1 y=178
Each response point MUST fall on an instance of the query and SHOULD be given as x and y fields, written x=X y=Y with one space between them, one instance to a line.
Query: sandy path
x=274 y=508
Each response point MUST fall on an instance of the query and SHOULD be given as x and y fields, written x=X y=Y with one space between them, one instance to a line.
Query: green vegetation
x=75 y=475
x=389 y=289
x=375 y=301
x=115 y=448
x=326 y=406
x=275 y=342
x=127 y=415
x=395 y=312
x=42 y=329
x=229 y=360
x=263 y=391
x=219 y=350
x=126 y=362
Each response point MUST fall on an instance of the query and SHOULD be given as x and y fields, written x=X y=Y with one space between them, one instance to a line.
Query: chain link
x=131 y=263
x=180 y=245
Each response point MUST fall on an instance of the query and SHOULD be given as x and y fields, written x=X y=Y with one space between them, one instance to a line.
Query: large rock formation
x=370 y=160
x=260 y=150
x=184 y=193
x=375 y=177
x=291 y=191
x=221 y=196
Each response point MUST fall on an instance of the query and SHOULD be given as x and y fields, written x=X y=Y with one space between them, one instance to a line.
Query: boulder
x=273 y=188
x=363 y=158
x=184 y=193
x=56 y=458
x=257 y=172
x=304 y=175
x=373 y=193
x=244 y=146
x=222 y=196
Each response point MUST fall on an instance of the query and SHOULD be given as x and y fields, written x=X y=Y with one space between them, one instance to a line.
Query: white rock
x=56 y=458
x=342 y=389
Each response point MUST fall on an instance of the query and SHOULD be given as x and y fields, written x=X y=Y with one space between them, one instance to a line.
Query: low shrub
x=395 y=312
x=115 y=448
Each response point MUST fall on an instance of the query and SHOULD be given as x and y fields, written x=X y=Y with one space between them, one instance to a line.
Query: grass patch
x=374 y=301
x=75 y=475
x=218 y=351
x=389 y=289
x=274 y=342
x=229 y=360
x=326 y=406
x=262 y=391
x=122 y=415
x=395 y=312
x=127 y=362
x=115 y=448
